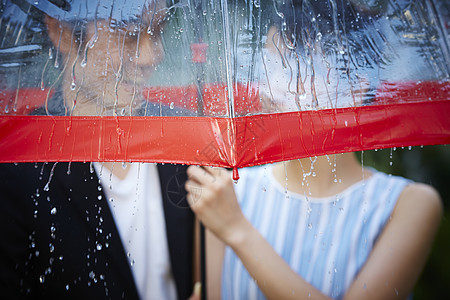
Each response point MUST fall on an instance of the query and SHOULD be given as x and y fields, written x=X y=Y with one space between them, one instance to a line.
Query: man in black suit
x=62 y=237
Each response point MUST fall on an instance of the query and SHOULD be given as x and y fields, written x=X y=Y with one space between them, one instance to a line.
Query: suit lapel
x=89 y=202
x=90 y=206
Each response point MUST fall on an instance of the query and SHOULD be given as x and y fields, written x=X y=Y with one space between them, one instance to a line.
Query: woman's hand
x=212 y=198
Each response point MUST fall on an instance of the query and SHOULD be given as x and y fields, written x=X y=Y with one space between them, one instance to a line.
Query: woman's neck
x=321 y=176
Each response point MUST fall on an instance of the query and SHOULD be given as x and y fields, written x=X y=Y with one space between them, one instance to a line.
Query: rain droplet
x=99 y=247
x=67 y=287
x=41 y=279
x=92 y=275
x=53 y=211
x=172 y=105
x=310 y=226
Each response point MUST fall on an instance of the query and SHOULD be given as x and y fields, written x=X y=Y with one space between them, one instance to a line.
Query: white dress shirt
x=136 y=205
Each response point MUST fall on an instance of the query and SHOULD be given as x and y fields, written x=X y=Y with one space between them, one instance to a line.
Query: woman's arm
x=212 y=198
x=390 y=272
x=401 y=251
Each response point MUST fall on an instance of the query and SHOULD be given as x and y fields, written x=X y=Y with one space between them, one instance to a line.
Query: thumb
x=198 y=289
x=196 y=294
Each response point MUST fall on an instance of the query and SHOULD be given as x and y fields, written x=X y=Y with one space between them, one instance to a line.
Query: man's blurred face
x=105 y=73
x=117 y=66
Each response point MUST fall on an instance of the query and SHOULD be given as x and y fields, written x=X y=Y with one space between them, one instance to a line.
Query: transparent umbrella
x=220 y=83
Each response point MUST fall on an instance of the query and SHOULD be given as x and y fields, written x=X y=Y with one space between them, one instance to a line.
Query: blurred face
x=105 y=73
x=304 y=82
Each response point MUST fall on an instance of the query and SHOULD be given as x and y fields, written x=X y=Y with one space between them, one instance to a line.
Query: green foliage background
x=430 y=165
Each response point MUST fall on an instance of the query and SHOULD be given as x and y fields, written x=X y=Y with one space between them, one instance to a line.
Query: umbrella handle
x=203 y=261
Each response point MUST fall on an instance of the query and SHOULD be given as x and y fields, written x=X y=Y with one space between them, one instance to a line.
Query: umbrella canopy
x=221 y=83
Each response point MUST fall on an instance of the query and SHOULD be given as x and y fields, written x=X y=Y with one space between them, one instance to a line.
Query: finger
x=202 y=175
x=194 y=192
x=193 y=199
x=198 y=289
x=214 y=171
x=191 y=185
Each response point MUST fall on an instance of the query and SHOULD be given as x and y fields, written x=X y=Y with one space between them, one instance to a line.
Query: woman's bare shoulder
x=420 y=201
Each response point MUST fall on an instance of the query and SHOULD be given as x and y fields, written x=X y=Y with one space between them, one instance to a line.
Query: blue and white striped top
x=325 y=240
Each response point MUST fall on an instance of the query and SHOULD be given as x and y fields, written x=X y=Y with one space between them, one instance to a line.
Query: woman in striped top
x=313 y=228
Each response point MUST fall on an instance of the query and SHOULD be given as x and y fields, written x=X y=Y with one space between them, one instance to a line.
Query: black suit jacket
x=60 y=241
